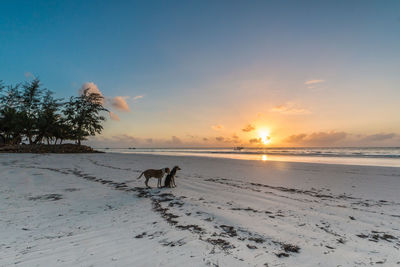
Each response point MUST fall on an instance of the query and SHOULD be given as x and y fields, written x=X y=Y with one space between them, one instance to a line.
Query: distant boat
x=238 y=148
x=131 y=147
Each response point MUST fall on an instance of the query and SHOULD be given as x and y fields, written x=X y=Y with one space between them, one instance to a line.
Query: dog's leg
x=147 y=183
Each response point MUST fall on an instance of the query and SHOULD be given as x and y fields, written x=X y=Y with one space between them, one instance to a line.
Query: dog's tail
x=140 y=175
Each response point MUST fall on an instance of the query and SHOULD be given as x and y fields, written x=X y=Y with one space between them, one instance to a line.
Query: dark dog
x=170 y=179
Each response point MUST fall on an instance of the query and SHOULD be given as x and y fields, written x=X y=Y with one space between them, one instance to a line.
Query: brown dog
x=158 y=174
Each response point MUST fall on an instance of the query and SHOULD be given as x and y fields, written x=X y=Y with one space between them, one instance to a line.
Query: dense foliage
x=30 y=114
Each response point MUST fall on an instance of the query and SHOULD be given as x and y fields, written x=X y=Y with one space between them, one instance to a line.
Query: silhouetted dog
x=170 y=179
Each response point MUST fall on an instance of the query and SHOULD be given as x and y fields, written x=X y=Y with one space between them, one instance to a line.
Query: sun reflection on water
x=264 y=157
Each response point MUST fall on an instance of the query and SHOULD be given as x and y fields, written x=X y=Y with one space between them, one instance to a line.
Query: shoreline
x=353 y=161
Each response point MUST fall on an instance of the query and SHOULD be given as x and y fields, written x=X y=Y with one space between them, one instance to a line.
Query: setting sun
x=265 y=138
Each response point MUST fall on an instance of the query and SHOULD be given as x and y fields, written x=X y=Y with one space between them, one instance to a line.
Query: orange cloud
x=248 y=128
x=317 y=138
x=220 y=138
x=313 y=82
x=379 y=137
x=217 y=127
x=235 y=139
x=256 y=141
x=114 y=116
x=119 y=103
x=290 y=108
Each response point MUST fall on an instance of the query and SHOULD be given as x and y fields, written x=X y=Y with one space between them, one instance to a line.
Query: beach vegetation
x=29 y=114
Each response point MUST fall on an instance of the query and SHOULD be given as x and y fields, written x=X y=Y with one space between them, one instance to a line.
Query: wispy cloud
x=119 y=103
x=138 y=97
x=220 y=138
x=379 y=137
x=114 y=116
x=317 y=138
x=313 y=82
x=255 y=140
x=227 y=140
x=290 y=108
x=248 y=128
x=217 y=127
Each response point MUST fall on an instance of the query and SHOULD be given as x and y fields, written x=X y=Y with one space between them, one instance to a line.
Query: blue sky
x=202 y=64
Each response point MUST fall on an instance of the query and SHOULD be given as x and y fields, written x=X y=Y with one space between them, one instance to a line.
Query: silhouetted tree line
x=30 y=113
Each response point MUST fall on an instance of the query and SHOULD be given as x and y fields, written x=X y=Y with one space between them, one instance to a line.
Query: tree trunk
x=2 y=140
x=38 y=139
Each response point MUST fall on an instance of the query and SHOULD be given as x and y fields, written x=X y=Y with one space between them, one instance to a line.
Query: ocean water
x=373 y=156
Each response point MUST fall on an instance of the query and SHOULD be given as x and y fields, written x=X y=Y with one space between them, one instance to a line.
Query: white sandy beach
x=76 y=210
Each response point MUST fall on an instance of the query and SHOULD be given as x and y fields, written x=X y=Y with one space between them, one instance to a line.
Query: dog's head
x=167 y=170
x=177 y=168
